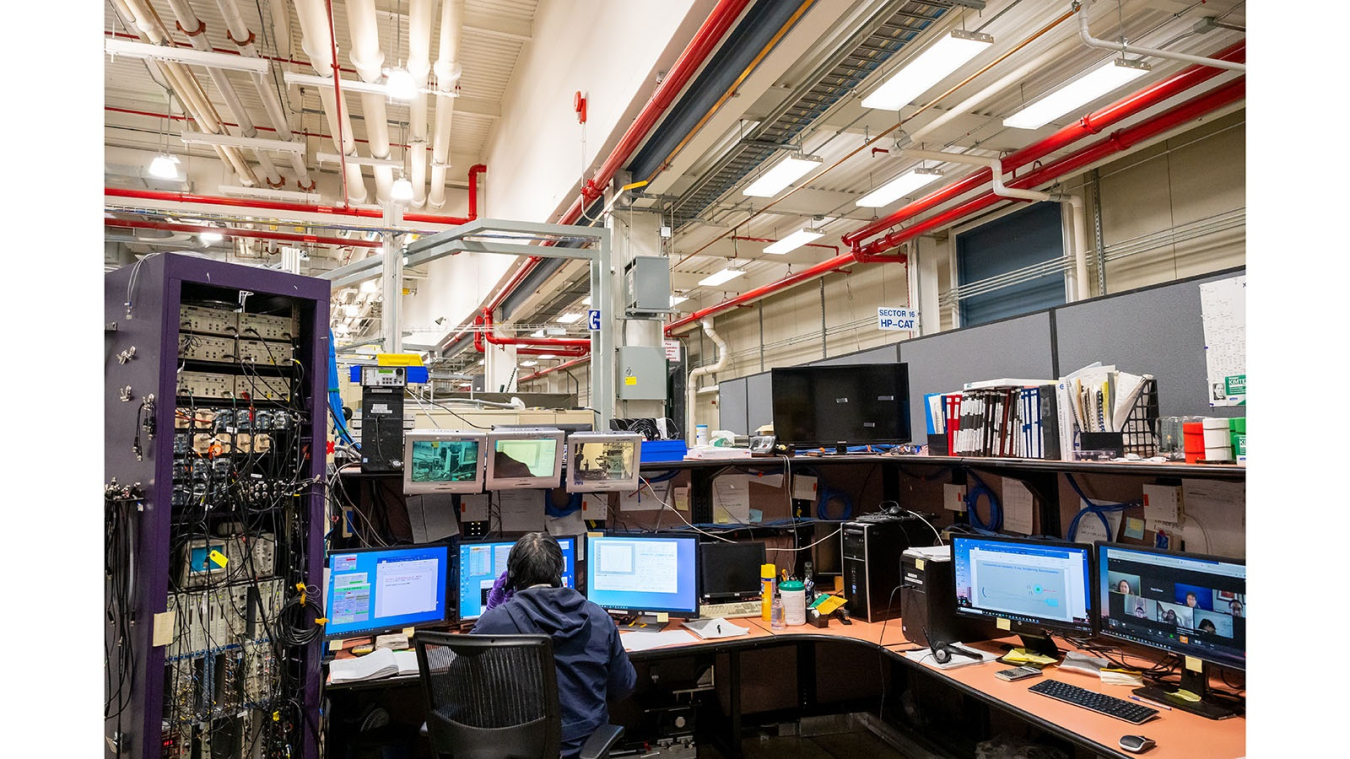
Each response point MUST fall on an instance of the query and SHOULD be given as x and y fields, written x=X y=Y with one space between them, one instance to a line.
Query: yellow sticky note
x=408 y=632
x=595 y=534
x=1195 y=665
x=335 y=645
x=920 y=564
x=662 y=617
x=1186 y=695
x=1004 y=624
x=630 y=380
x=163 y=632
x=219 y=558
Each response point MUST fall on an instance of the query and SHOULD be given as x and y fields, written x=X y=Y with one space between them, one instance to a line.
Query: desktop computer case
x=142 y=312
x=928 y=597
x=871 y=563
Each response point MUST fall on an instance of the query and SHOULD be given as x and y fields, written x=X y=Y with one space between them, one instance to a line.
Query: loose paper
x=1017 y=508
x=803 y=487
x=432 y=517
x=641 y=641
x=1160 y=503
x=473 y=508
x=642 y=500
x=756 y=516
x=570 y=524
x=1216 y=517
x=521 y=510
x=1090 y=526
x=1223 y=311
x=731 y=498
x=769 y=480
x=163 y=632
x=954 y=497
x=681 y=498
x=594 y=506
x=1134 y=528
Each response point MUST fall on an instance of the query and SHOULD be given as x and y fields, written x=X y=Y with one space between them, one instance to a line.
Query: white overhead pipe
x=420 y=16
x=1122 y=47
x=448 y=72
x=196 y=32
x=369 y=62
x=240 y=35
x=317 y=43
x=182 y=81
x=1002 y=190
x=691 y=388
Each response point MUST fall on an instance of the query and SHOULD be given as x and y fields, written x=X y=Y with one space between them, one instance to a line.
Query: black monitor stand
x=1039 y=643
x=640 y=622
x=1195 y=682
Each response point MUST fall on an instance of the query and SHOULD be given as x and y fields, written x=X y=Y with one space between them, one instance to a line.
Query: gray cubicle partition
x=759 y=401
x=731 y=400
x=886 y=354
x=1154 y=330
x=1017 y=348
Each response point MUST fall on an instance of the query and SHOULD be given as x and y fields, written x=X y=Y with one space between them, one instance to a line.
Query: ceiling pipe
x=178 y=117
x=368 y=59
x=834 y=248
x=1089 y=124
x=420 y=15
x=561 y=351
x=256 y=234
x=318 y=43
x=552 y=369
x=474 y=171
x=448 y=72
x=1120 y=47
x=227 y=51
x=485 y=321
x=691 y=386
x=872 y=252
x=276 y=205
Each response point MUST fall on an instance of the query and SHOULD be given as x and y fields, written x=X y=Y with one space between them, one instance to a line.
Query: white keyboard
x=734 y=610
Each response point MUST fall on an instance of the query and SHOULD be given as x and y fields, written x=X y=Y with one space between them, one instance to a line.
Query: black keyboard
x=1130 y=711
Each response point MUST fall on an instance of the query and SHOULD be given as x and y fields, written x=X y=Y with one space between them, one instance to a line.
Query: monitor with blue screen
x=371 y=591
x=480 y=564
x=1036 y=585
x=648 y=573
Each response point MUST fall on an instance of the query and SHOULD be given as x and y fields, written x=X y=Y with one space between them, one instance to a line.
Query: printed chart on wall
x=1223 y=307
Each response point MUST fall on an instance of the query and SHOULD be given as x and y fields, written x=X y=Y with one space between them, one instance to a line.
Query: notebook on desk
x=376 y=665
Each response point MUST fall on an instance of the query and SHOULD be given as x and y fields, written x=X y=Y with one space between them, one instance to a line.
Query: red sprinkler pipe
x=474 y=171
x=337 y=101
x=1116 y=142
x=257 y=234
x=553 y=369
x=276 y=205
x=566 y=342
x=563 y=351
x=1090 y=124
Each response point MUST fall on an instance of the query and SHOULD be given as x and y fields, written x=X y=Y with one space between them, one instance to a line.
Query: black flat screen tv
x=828 y=406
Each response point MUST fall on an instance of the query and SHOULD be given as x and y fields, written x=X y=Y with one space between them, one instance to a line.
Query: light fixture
x=370 y=286
x=341 y=330
x=555 y=330
x=528 y=363
x=481 y=362
x=399 y=84
x=190 y=137
x=586 y=301
x=356 y=160
x=210 y=238
x=775 y=180
x=794 y=241
x=537 y=333
x=676 y=300
x=546 y=356
x=228 y=61
x=351 y=310
x=569 y=318
x=899 y=187
x=402 y=190
x=238 y=191
x=164 y=166
x=1086 y=88
x=717 y=278
x=348 y=85
x=927 y=69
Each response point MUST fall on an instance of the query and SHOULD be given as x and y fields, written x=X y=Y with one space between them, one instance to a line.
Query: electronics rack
x=215 y=446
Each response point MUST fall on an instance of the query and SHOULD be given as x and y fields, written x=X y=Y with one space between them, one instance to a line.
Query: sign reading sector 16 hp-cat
x=897 y=319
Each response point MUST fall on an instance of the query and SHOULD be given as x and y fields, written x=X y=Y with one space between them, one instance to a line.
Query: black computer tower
x=928 y=596
x=382 y=429
x=871 y=560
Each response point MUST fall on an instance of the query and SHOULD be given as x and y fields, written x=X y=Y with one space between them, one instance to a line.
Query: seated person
x=592 y=665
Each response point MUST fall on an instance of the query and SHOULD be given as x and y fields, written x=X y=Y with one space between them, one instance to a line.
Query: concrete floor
x=838 y=746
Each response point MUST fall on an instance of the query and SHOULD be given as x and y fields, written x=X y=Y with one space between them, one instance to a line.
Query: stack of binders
x=1005 y=418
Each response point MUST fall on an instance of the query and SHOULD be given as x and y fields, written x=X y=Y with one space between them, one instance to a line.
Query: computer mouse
x=1136 y=744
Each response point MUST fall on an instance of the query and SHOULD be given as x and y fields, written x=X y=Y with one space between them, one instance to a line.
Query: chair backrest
x=490 y=696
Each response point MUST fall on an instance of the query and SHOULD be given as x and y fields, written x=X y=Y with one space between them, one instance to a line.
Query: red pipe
x=553 y=369
x=563 y=351
x=834 y=248
x=1117 y=141
x=486 y=322
x=691 y=59
x=276 y=205
x=474 y=171
x=337 y=101
x=257 y=234
x=1090 y=124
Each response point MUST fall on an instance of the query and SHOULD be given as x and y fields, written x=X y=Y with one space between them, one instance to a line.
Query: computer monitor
x=523 y=459
x=730 y=571
x=643 y=574
x=1183 y=603
x=829 y=406
x=1035 y=585
x=443 y=461
x=377 y=590
x=603 y=461
x=480 y=564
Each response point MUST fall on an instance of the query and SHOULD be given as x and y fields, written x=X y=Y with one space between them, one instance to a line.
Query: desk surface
x=1180 y=735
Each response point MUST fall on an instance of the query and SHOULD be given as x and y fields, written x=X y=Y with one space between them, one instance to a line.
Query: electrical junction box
x=641 y=373
x=648 y=286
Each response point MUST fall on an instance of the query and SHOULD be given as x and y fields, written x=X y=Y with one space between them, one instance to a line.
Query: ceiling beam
x=495 y=26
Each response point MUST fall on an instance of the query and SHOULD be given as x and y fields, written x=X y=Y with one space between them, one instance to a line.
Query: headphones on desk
x=943 y=652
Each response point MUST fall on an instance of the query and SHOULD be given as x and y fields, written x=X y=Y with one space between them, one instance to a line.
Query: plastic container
x=767 y=575
x=793 y=593
x=776 y=614
x=1237 y=428
x=701 y=434
x=1194 y=435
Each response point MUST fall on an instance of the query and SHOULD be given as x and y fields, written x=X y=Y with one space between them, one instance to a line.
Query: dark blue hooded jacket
x=592 y=665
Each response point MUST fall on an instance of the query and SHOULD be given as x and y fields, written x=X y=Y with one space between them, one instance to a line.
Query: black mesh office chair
x=496 y=697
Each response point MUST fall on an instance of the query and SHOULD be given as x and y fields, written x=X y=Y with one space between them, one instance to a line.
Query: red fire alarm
x=579 y=105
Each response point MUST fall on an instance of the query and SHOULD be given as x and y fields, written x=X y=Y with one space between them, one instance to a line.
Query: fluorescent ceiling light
x=794 y=241
x=211 y=238
x=586 y=301
x=351 y=310
x=528 y=363
x=164 y=166
x=927 y=69
x=569 y=318
x=676 y=300
x=555 y=330
x=116 y=47
x=1107 y=77
x=370 y=286
x=355 y=160
x=191 y=137
x=899 y=187
x=537 y=333
x=717 y=278
x=263 y=192
x=402 y=189
x=546 y=356
x=775 y=180
x=356 y=85
x=399 y=84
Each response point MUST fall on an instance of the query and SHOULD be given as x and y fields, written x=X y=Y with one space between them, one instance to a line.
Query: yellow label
x=662 y=617
x=334 y=645
x=630 y=380
x=1186 y=695
x=163 y=633
x=920 y=564
x=595 y=534
x=398 y=359
x=1195 y=665
x=1004 y=624
x=219 y=559
x=408 y=632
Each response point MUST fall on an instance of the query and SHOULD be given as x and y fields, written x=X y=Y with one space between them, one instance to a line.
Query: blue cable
x=827 y=494
x=1099 y=509
x=573 y=504
x=995 y=509
x=334 y=397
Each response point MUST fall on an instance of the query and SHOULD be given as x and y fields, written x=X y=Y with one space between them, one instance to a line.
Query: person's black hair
x=535 y=559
